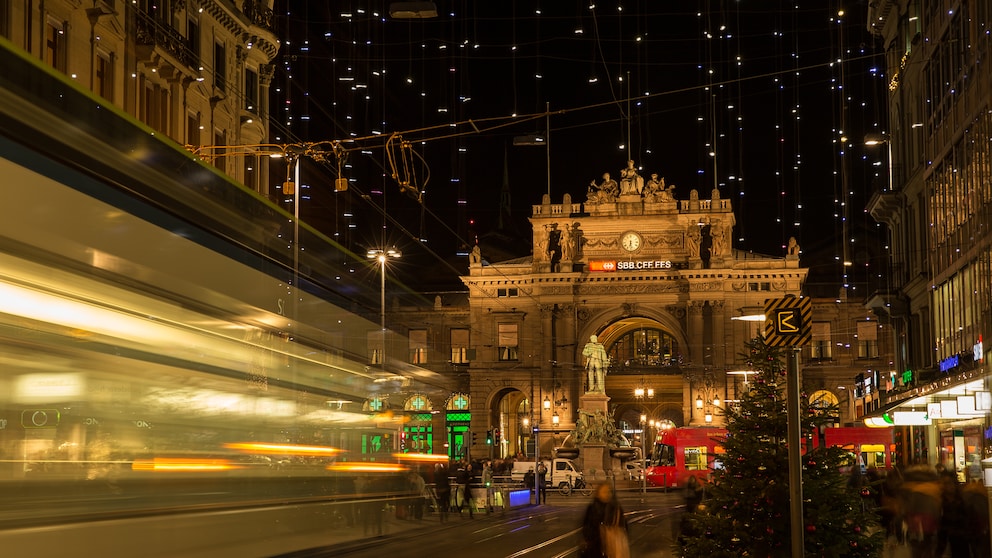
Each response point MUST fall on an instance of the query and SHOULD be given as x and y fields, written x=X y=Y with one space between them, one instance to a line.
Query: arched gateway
x=654 y=278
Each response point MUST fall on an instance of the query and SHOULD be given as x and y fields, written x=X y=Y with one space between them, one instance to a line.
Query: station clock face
x=630 y=241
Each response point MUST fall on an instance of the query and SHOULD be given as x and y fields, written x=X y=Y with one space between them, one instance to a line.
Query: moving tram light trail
x=158 y=355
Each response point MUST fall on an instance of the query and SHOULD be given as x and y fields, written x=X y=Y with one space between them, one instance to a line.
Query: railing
x=149 y=31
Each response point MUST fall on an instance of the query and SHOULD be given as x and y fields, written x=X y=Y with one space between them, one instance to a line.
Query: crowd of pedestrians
x=930 y=510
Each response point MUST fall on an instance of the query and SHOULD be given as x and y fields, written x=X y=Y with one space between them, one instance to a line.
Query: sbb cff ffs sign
x=629 y=265
x=788 y=321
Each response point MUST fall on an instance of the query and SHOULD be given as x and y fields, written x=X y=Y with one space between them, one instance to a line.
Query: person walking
x=464 y=479
x=693 y=494
x=604 y=527
x=442 y=488
x=542 y=483
x=418 y=487
x=487 y=483
x=921 y=504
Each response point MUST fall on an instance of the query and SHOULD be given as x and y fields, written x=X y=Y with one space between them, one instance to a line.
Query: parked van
x=560 y=471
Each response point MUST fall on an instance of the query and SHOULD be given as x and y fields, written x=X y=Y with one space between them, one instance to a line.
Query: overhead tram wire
x=479 y=126
x=506 y=122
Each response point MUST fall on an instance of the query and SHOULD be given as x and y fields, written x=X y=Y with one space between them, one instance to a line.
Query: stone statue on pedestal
x=596 y=363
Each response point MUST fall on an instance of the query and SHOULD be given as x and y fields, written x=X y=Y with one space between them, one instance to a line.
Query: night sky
x=768 y=101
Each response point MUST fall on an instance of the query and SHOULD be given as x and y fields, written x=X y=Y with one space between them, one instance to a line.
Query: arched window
x=823 y=399
x=643 y=347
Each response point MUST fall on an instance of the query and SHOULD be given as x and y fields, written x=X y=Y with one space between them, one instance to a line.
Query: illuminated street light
x=381 y=256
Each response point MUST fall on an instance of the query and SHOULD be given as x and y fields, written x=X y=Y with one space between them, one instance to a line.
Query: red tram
x=679 y=453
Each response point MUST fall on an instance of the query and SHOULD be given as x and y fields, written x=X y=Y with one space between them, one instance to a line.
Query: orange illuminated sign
x=629 y=265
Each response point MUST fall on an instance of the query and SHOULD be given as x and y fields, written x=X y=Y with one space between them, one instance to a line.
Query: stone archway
x=511 y=415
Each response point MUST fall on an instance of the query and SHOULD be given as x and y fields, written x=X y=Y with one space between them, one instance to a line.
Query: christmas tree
x=747 y=510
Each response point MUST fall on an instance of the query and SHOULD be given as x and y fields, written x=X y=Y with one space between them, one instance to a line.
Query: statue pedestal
x=596 y=460
x=593 y=401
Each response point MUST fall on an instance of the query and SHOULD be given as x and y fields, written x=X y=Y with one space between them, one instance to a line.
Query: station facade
x=653 y=278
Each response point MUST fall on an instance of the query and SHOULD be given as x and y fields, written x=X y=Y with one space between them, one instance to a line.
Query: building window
x=193 y=40
x=155 y=106
x=505 y=292
x=820 y=346
x=507 y=341
x=867 y=339
x=418 y=438
x=220 y=140
x=220 y=67
x=823 y=400
x=55 y=45
x=103 y=82
x=418 y=346
x=459 y=346
x=645 y=347
x=251 y=90
x=193 y=128
x=5 y=18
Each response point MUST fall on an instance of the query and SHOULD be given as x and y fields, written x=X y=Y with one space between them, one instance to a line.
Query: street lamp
x=874 y=140
x=644 y=450
x=382 y=255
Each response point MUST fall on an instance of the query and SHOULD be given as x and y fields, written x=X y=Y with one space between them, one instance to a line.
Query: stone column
x=695 y=330
x=719 y=325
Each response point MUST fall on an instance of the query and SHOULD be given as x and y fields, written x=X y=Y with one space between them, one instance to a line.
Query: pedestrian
x=693 y=494
x=442 y=488
x=464 y=479
x=542 y=483
x=975 y=510
x=604 y=528
x=418 y=487
x=487 y=483
x=921 y=502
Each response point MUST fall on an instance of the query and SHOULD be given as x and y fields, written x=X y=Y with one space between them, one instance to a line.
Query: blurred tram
x=163 y=328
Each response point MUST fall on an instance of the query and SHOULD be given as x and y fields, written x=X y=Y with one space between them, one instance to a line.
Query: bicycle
x=578 y=485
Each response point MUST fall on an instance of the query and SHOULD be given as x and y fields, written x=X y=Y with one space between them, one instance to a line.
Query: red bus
x=679 y=453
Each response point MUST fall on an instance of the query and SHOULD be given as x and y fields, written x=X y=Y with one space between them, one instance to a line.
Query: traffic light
x=489 y=437
x=496 y=436
x=473 y=438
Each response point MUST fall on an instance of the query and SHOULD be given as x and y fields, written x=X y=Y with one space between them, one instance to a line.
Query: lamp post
x=644 y=449
x=707 y=394
x=874 y=140
x=381 y=256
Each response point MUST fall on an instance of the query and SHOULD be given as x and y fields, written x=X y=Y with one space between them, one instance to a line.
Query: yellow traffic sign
x=788 y=321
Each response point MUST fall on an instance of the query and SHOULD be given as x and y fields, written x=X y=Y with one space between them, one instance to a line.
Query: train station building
x=648 y=270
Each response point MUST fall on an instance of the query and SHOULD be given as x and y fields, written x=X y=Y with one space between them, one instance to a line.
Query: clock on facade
x=630 y=241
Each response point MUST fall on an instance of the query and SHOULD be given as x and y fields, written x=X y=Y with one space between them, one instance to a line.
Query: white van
x=560 y=471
